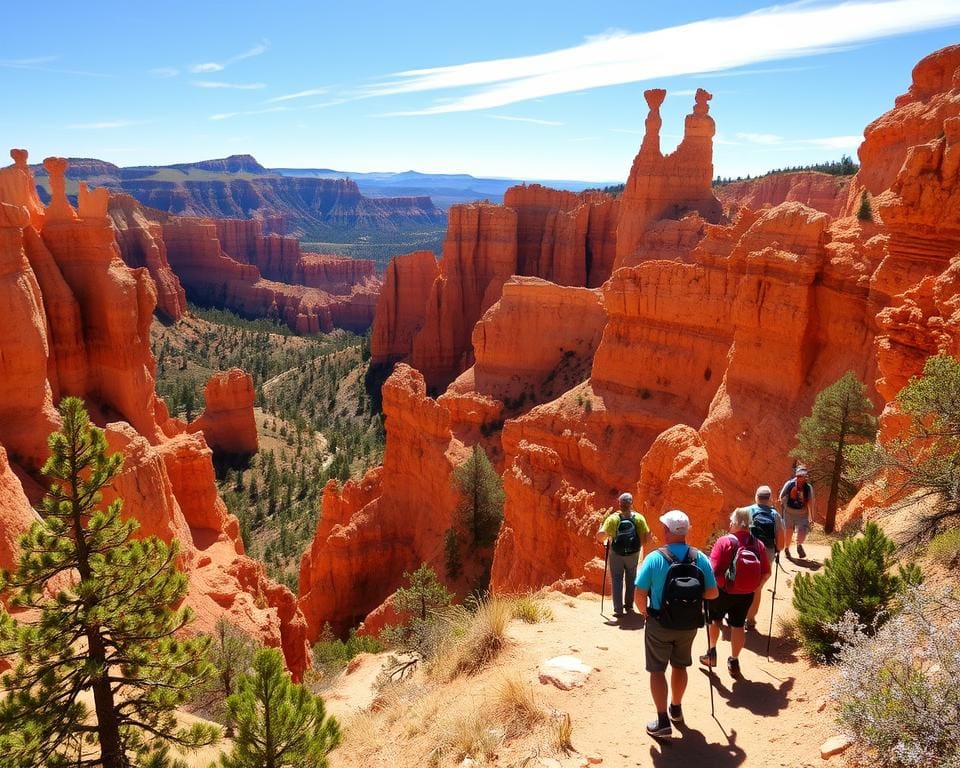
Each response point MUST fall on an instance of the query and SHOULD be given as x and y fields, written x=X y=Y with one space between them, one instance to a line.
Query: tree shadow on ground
x=692 y=748
x=762 y=698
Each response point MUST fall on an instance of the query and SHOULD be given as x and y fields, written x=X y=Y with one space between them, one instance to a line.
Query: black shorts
x=734 y=607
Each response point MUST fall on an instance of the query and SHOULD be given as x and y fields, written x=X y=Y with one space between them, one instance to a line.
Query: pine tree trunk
x=830 y=522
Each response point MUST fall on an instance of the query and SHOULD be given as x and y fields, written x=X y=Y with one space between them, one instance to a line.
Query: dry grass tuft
x=474 y=733
x=474 y=639
x=530 y=609
x=517 y=705
x=562 y=732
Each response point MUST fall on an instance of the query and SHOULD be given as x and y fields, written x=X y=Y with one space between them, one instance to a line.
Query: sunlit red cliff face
x=231 y=263
x=76 y=322
x=675 y=363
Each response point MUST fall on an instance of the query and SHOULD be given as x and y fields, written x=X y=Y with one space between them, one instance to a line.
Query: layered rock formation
x=76 y=323
x=227 y=421
x=716 y=335
x=312 y=293
x=821 y=191
x=238 y=187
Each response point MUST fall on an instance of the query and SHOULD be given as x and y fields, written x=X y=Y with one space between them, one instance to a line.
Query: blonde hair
x=741 y=517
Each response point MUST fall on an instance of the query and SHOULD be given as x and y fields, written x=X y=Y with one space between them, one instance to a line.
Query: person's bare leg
x=755 y=605
x=737 y=636
x=658 y=689
x=713 y=633
x=678 y=684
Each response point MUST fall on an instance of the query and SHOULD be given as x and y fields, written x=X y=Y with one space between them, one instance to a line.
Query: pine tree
x=424 y=599
x=230 y=654
x=279 y=724
x=856 y=577
x=865 y=212
x=451 y=552
x=481 y=498
x=841 y=418
x=109 y=626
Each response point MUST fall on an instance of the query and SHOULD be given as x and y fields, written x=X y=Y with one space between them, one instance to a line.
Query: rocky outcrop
x=668 y=186
x=212 y=277
x=402 y=306
x=227 y=421
x=392 y=520
x=141 y=244
x=76 y=323
x=820 y=191
x=479 y=254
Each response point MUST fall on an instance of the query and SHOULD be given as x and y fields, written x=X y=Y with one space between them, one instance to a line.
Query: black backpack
x=627 y=540
x=764 y=526
x=681 y=606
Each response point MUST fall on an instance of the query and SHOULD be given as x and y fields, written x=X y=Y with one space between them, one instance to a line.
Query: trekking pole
x=706 y=619
x=606 y=559
x=773 y=600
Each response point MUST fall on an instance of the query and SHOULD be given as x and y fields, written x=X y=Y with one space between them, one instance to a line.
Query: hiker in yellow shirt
x=626 y=533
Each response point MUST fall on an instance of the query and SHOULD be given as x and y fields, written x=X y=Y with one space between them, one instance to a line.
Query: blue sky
x=518 y=89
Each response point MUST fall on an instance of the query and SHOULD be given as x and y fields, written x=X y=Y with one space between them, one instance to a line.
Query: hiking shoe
x=733 y=666
x=657 y=730
x=618 y=614
x=709 y=659
x=800 y=550
x=676 y=714
x=750 y=624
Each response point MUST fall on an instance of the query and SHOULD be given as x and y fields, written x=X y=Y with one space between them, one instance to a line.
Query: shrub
x=897 y=692
x=865 y=212
x=473 y=639
x=331 y=654
x=856 y=578
x=945 y=547
x=530 y=610
x=517 y=705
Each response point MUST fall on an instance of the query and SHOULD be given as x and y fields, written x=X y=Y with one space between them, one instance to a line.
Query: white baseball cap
x=676 y=521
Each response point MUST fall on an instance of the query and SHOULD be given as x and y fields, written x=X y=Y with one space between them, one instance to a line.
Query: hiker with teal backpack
x=768 y=526
x=672 y=584
x=626 y=532
x=796 y=505
x=739 y=562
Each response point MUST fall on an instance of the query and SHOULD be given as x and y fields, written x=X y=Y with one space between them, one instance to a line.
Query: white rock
x=834 y=746
x=564 y=672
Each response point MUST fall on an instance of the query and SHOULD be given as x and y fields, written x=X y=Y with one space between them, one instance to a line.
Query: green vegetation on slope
x=314 y=419
x=380 y=247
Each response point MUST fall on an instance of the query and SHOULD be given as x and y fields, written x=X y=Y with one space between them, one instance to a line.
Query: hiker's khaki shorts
x=667 y=646
x=800 y=521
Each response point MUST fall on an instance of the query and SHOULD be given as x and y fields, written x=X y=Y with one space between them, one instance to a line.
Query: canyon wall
x=77 y=323
x=821 y=191
x=238 y=187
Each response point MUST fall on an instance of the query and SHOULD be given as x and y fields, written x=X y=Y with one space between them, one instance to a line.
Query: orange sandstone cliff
x=714 y=337
x=76 y=323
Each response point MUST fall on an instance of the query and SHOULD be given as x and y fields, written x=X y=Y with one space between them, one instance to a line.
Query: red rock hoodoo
x=691 y=366
x=77 y=323
x=227 y=421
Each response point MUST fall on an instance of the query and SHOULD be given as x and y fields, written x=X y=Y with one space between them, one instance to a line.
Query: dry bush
x=473 y=733
x=473 y=640
x=562 y=732
x=517 y=705
x=531 y=609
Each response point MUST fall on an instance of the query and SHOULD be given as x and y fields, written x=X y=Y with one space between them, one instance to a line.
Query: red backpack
x=744 y=573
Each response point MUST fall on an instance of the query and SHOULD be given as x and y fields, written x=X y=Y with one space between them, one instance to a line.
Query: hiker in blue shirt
x=672 y=584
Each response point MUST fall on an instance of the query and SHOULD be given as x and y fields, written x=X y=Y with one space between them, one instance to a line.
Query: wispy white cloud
x=533 y=120
x=228 y=115
x=760 y=138
x=164 y=71
x=104 y=125
x=716 y=45
x=297 y=95
x=42 y=64
x=773 y=140
x=234 y=86
x=207 y=67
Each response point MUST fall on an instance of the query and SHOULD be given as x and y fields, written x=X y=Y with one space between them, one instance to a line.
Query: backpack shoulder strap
x=692 y=554
x=667 y=554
